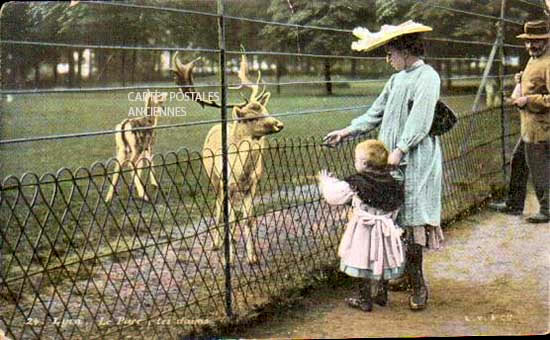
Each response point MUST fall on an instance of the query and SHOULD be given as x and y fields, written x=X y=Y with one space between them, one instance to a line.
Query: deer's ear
x=148 y=98
x=238 y=112
x=264 y=98
x=175 y=74
x=162 y=97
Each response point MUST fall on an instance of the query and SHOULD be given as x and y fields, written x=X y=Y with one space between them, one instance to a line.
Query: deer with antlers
x=135 y=147
x=246 y=140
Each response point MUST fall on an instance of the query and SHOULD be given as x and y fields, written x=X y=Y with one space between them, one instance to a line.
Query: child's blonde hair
x=375 y=151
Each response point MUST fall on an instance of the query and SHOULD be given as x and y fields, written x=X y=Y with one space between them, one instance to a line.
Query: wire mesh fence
x=73 y=265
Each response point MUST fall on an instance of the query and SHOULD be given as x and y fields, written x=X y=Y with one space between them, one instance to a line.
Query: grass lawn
x=65 y=113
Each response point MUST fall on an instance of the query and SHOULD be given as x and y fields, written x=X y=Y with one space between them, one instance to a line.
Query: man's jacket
x=535 y=84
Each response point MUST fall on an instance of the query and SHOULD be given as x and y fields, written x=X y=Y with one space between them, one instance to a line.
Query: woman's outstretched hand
x=335 y=137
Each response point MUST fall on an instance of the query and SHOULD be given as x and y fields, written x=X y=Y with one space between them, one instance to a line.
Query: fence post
x=503 y=124
x=480 y=90
x=225 y=161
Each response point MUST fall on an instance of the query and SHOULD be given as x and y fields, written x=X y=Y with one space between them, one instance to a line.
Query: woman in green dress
x=404 y=112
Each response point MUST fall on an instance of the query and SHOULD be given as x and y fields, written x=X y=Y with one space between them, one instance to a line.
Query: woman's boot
x=364 y=302
x=419 y=297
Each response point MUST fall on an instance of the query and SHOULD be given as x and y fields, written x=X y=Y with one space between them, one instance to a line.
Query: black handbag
x=444 y=118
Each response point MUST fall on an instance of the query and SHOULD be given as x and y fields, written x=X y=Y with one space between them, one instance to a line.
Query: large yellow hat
x=369 y=41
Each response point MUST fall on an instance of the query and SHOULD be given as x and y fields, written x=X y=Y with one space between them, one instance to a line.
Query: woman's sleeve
x=335 y=191
x=421 y=116
x=372 y=118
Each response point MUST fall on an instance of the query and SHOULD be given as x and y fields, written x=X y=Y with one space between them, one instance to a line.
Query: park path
x=491 y=278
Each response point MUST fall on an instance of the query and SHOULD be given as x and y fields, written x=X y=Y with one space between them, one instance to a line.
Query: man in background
x=532 y=152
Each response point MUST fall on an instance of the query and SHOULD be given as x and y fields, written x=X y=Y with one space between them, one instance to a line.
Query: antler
x=243 y=76
x=184 y=78
x=184 y=74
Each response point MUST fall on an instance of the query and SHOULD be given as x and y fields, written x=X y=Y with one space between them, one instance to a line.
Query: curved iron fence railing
x=74 y=265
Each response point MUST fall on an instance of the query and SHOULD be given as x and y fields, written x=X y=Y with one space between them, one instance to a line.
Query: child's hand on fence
x=324 y=177
x=323 y=174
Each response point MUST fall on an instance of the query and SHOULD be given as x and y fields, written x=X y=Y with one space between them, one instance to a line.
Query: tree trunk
x=278 y=74
x=55 y=73
x=4 y=72
x=156 y=66
x=328 y=77
x=102 y=58
x=37 y=75
x=79 y=67
x=91 y=65
x=8 y=79
x=353 y=70
x=438 y=67
x=448 y=74
x=71 y=67
x=19 y=75
x=122 y=67
x=133 y=71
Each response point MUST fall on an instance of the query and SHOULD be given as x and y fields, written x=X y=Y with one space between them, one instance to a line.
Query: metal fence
x=74 y=266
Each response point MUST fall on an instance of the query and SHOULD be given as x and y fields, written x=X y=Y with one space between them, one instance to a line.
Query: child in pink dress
x=371 y=246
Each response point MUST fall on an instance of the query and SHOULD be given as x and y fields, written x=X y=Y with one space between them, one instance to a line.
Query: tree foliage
x=391 y=11
x=89 y=23
x=341 y=14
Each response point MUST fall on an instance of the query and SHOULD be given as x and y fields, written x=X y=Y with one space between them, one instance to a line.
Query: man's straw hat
x=369 y=41
x=537 y=29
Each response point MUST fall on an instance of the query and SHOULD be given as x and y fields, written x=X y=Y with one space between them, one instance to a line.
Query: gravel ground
x=491 y=278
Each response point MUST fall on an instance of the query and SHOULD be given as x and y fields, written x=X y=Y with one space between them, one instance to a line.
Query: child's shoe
x=381 y=297
x=364 y=302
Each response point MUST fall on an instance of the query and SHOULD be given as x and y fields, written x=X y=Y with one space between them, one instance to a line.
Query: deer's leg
x=249 y=229
x=114 y=182
x=218 y=237
x=120 y=157
x=138 y=178
x=152 y=177
x=219 y=232
x=135 y=159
